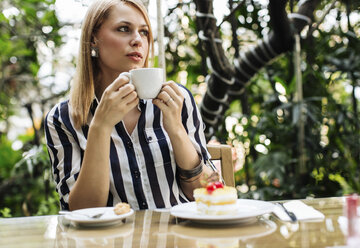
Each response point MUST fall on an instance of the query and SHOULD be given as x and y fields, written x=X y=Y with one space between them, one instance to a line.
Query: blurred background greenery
x=37 y=63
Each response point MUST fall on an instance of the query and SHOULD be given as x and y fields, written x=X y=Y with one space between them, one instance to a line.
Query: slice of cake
x=216 y=199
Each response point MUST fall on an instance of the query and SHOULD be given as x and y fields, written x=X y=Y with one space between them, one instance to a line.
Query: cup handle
x=127 y=74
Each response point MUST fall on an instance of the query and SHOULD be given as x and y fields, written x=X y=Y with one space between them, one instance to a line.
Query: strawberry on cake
x=216 y=199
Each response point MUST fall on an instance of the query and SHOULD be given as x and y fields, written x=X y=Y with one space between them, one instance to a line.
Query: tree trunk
x=227 y=81
x=222 y=72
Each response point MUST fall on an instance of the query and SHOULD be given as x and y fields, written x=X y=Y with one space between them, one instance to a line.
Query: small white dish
x=80 y=217
x=248 y=211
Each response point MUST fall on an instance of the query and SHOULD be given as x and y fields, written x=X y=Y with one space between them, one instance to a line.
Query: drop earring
x=94 y=52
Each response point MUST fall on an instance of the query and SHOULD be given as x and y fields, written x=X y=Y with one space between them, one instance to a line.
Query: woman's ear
x=94 y=41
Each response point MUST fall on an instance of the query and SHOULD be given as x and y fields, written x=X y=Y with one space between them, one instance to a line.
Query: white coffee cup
x=147 y=81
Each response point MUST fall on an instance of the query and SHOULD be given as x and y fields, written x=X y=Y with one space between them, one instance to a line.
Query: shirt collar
x=141 y=105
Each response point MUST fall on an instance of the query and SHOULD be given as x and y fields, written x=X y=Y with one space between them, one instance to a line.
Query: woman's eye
x=144 y=32
x=123 y=29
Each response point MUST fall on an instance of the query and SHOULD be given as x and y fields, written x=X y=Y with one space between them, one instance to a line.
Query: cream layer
x=216 y=209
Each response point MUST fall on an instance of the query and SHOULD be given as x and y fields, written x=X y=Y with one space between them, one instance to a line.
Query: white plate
x=108 y=218
x=248 y=210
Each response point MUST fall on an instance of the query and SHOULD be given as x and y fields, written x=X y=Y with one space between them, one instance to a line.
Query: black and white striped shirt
x=142 y=165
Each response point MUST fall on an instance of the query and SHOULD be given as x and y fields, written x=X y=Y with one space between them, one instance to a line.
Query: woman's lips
x=135 y=56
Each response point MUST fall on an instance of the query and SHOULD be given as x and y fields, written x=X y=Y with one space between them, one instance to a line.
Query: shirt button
x=136 y=174
x=144 y=204
x=129 y=144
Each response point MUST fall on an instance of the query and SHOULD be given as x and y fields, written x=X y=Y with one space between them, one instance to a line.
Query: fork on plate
x=91 y=216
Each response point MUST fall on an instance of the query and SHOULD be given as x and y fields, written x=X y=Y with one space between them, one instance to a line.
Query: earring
x=94 y=52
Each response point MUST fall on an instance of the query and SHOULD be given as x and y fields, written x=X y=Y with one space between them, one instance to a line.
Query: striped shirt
x=142 y=165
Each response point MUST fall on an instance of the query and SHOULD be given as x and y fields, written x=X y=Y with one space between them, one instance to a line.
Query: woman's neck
x=102 y=82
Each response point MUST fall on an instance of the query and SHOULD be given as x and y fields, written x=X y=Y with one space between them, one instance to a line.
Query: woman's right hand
x=116 y=101
x=92 y=185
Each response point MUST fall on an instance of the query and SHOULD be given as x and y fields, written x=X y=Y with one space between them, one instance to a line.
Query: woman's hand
x=170 y=101
x=116 y=101
x=92 y=186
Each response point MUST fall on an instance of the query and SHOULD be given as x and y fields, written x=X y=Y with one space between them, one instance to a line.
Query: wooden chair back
x=223 y=153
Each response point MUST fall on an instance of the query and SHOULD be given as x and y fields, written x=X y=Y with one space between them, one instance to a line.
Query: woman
x=107 y=146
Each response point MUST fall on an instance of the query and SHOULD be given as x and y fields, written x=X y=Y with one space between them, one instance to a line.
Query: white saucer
x=248 y=211
x=109 y=217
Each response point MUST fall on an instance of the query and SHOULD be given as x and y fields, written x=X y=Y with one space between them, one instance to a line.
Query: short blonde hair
x=82 y=91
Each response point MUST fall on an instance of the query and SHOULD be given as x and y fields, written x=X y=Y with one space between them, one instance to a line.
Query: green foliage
x=29 y=189
x=182 y=52
x=26 y=186
x=8 y=157
x=5 y=212
x=24 y=26
x=332 y=135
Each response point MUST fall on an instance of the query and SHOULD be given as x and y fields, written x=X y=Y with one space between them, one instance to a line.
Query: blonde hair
x=82 y=91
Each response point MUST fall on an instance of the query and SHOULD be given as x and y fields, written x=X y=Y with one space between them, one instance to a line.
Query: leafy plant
x=29 y=190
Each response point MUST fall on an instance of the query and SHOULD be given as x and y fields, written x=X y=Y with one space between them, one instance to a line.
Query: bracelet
x=190 y=180
x=188 y=174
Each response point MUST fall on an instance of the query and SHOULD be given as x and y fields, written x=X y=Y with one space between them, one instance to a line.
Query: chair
x=223 y=153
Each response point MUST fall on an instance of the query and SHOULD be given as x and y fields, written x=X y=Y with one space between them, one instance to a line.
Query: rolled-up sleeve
x=64 y=151
x=194 y=125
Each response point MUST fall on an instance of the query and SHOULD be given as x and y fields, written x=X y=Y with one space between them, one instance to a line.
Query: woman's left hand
x=170 y=101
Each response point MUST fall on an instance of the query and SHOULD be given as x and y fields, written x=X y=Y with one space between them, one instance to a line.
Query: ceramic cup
x=147 y=81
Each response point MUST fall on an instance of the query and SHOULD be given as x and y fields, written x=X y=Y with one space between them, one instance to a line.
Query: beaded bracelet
x=188 y=174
